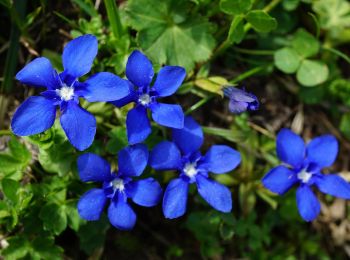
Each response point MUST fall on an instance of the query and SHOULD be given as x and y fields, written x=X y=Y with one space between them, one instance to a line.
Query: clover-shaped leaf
x=287 y=60
x=312 y=73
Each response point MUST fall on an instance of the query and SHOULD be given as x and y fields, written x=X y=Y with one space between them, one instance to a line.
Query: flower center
x=190 y=169
x=65 y=93
x=118 y=184
x=145 y=99
x=304 y=176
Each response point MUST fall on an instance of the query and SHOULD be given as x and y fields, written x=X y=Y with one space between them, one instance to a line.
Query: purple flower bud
x=240 y=100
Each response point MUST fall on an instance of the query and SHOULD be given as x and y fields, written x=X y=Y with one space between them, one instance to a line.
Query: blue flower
x=304 y=165
x=240 y=100
x=38 y=113
x=184 y=156
x=117 y=187
x=139 y=71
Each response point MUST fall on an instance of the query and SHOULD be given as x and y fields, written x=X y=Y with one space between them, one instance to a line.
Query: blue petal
x=139 y=69
x=217 y=195
x=132 y=97
x=79 y=126
x=91 y=204
x=79 y=54
x=121 y=215
x=169 y=79
x=175 y=198
x=92 y=167
x=237 y=107
x=132 y=160
x=138 y=126
x=165 y=156
x=322 y=150
x=39 y=73
x=190 y=138
x=35 y=115
x=279 y=179
x=145 y=192
x=333 y=185
x=308 y=204
x=168 y=115
x=105 y=86
x=239 y=95
x=290 y=148
x=221 y=159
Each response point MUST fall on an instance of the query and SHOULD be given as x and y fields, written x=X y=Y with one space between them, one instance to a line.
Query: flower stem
x=114 y=18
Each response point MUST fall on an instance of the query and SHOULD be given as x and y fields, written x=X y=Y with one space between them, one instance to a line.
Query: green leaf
x=74 y=220
x=117 y=141
x=261 y=21
x=312 y=73
x=45 y=248
x=19 y=151
x=169 y=34
x=290 y=5
x=305 y=43
x=234 y=7
x=17 y=249
x=10 y=188
x=287 y=60
x=54 y=217
x=236 y=32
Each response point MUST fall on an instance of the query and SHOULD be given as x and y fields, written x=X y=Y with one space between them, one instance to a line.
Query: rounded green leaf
x=234 y=7
x=312 y=73
x=287 y=60
x=305 y=43
x=236 y=32
x=261 y=21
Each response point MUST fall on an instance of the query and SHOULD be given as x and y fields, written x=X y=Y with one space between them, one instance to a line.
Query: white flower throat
x=144 y=99
x=304 y=176
x=190 y=169
x=118 y=184
x=65 y=93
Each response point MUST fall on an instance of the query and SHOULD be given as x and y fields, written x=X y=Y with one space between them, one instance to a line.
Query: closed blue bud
x=240 y=100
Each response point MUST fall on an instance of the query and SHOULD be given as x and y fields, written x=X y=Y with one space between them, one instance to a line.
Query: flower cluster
x=182 y=154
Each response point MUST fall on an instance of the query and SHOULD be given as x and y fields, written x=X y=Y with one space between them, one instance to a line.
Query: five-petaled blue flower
x=304 y=165
x=117 y=187
x=38 y=113
x=184 y=155
x=140 y=72
x=240 y=100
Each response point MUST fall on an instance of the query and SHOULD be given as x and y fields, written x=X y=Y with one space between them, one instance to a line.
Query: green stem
x=247 y=74
x=198 y=104
x=225 y=44
x=114 y=18
x=254 y=52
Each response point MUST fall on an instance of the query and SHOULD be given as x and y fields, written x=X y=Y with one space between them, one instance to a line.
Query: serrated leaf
x=287 y=60
x=236 y=32
x=54 y=217
x=168 y=34
x=261 y=21
x=234 y=7
x=305 y=43
x=312 y=73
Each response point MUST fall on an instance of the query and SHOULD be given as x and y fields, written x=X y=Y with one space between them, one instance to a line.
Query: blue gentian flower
x=240 y=100
x=117 y=186
x=38 y=113
x=184 y=156
x=303 y=168
x=140 y=73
